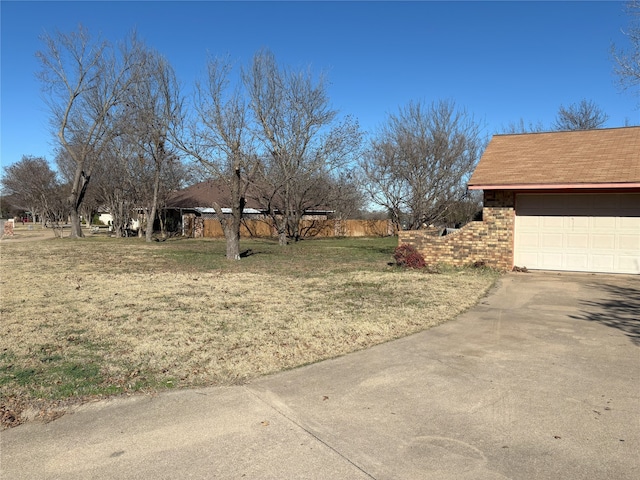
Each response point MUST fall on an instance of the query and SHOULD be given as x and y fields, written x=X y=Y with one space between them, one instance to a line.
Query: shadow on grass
x=619 y=308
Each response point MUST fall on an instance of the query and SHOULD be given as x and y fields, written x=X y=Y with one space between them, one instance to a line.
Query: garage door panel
x=628 y=263
x=629 y=242
x=551 y=222
x=528 y=258
x=578 y=262
x=583 y=232
x=604 y=242
x=604 y=222
x=631 y=224
x=603 y=263
x=577 y=240
x=530 y=240
x=550 y=260
x=580 y=222
x=552 y=240
x=530 y=222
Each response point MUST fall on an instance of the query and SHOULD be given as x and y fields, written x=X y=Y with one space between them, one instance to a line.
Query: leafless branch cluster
x=304 y=149
x=274 y=131
x=35 y=187
x=585 y=115
x=627 y=62
x=418 y=163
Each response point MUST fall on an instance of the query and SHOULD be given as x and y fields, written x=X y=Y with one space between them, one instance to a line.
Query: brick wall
x=489 y=241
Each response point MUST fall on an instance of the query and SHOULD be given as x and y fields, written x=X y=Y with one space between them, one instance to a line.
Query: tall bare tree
x=300 y=137
x=585 y=115
x=419 y=161
x=219 y=139
x=85 y=82
x=627 y=62
x=152 y=110
x=66 y=169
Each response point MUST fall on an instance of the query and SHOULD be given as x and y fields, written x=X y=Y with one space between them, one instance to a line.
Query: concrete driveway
x=539 y=381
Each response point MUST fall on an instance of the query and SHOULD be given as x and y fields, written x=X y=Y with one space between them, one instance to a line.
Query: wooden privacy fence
x=211 y=228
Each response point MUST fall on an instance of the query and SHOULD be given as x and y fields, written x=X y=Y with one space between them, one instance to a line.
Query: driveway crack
x=282 y=413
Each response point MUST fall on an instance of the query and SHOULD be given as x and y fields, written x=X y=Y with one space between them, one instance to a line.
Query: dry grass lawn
x=84 y=319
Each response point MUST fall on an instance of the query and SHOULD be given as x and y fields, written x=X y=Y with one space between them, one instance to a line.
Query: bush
x=407 y=256
x=96 y=220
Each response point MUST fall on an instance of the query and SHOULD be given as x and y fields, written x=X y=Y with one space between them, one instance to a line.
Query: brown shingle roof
x=204 y=194
x=606 y=156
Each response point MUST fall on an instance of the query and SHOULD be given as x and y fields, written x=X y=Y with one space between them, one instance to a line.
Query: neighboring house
x=198 y=200
x=106 y=218
x=553 y=201
x=191 y=206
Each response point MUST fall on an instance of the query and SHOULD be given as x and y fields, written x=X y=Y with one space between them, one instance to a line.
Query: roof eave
x=555 y=186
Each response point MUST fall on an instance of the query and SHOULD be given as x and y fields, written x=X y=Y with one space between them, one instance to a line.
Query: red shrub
x=407 y=256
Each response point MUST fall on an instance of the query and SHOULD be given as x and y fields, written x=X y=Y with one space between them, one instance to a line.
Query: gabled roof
x=606 y=158
x=203 y=195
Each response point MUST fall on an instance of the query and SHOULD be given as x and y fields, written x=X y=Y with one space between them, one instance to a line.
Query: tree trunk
x=282 y=237
x=154 y=207
x=76 y=227
x=78 y=189
x=231 y=229
x=150 y=221
x=232 y=235
x=295 y=219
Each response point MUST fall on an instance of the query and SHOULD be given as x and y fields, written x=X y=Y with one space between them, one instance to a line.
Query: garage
x=560 y=200
x=583 y=232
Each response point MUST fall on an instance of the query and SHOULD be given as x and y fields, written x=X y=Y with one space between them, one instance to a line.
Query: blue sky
x=501 y=61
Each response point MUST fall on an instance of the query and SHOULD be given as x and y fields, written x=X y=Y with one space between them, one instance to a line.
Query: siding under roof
x=587 y=157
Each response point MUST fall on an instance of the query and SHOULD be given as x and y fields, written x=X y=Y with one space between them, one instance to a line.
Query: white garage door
x=578 y=232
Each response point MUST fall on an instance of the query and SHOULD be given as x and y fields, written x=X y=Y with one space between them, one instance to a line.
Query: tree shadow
x=619 y=308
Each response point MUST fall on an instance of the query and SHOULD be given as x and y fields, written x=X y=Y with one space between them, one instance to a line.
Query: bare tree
x=153 y=108
x=585 y=115
x=627 y=63
x=175 y=175
x=522 y=127
x=219 y=139
x=300 y=137
x=8 y=206
x=56 y=209
x=419 y=161
x=32 y=183
x=381 y=181
x=84 y=82
x=342 y=194
x=463 y=211
x=66 y=170
x=116 y=184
